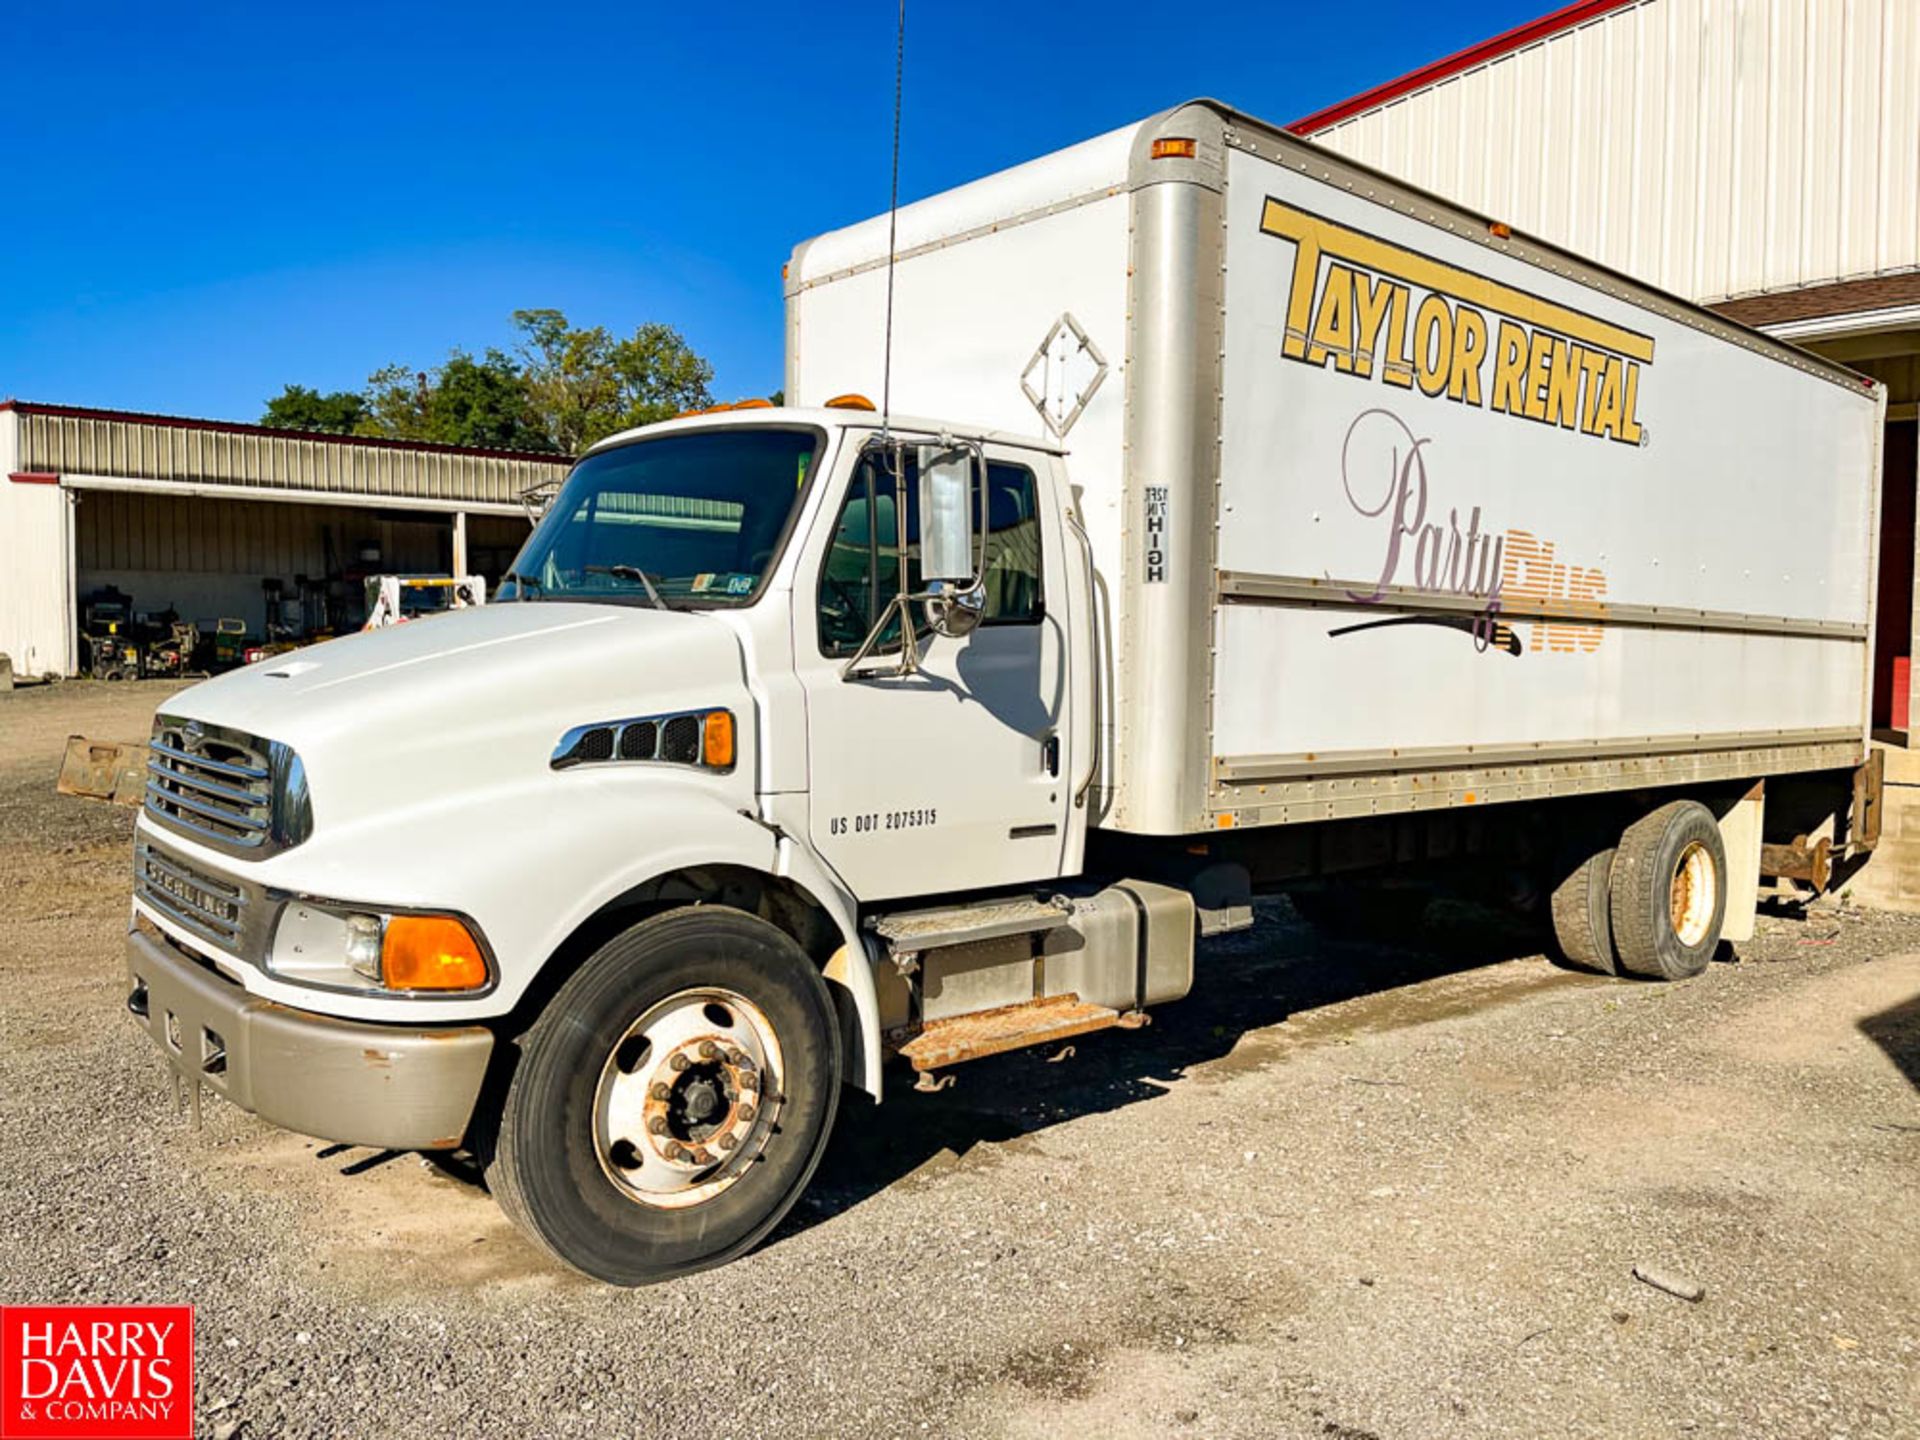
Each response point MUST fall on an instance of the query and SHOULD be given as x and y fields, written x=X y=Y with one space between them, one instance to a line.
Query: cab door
x=954 y=777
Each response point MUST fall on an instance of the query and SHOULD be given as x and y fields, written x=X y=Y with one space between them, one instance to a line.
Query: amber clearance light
x=716 y=743
x=1175 y=147
x=431 y=952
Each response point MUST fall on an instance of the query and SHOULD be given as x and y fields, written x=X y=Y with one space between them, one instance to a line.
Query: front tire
x=1669 y=892
x=673 y=1099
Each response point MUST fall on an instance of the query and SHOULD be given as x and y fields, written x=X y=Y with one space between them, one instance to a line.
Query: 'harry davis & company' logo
x=1362 y=304
x=96 y=1372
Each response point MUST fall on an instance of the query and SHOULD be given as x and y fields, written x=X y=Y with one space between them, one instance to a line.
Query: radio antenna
x=893 y=218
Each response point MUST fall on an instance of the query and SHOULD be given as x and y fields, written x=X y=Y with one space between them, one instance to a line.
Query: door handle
x=1050 y=755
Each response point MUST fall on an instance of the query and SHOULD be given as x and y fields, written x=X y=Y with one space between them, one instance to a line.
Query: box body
x=1389 y=509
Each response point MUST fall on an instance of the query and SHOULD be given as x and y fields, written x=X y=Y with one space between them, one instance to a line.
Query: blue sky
x=206 y=201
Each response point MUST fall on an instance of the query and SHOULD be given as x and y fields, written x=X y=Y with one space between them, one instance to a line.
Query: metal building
x=1758 y=156
x=216 y=521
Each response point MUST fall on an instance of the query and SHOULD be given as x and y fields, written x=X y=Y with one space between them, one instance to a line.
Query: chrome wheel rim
x=688 y=1098
x=1693 y=895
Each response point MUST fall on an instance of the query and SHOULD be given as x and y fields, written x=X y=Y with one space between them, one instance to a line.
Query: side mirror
x=946 y=515
x=951 y=548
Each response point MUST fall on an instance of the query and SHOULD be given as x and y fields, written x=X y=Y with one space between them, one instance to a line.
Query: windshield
x=685 y=520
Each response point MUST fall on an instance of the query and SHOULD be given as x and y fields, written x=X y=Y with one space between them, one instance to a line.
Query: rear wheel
x=1582 y=922
x=673 y=1099
x=1669 y=892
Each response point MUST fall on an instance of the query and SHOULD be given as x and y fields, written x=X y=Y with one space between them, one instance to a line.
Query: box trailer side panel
x=1489 y=530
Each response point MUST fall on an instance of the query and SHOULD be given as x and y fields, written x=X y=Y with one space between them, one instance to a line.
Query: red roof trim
x=177 y=422
x=1517 y=38
x=33 y=477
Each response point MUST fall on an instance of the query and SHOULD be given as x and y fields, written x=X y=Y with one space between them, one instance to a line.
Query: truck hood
x=469 y=698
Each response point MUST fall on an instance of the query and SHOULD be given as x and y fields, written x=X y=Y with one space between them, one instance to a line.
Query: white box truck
x=1243 y=521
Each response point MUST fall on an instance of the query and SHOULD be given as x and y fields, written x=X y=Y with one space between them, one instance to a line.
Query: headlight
x=341 y=947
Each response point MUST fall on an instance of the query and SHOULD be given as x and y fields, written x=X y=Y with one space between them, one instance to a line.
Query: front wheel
x=672 y=1101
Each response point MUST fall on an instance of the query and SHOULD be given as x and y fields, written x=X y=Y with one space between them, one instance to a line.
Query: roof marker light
x=1175 y=147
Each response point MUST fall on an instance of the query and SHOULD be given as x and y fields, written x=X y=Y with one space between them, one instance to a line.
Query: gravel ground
x=1342 y=1192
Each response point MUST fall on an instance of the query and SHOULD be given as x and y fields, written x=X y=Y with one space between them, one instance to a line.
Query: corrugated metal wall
x=1712 y=147
x=132 y=448
x=206 y=558
x=33 y=568
x=123 y=532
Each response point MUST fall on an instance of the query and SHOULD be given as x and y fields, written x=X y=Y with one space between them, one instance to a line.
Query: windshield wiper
x=632 y=572
x=525 y=582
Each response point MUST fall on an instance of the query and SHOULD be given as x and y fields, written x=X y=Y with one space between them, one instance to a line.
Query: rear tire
x=672 y=1100
x=1669 y=892
x=1581 y=906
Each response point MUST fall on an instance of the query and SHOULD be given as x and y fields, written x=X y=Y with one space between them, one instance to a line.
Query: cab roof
x=826 y=418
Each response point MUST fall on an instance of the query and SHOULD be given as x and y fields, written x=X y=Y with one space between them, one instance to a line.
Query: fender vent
x=679 y=739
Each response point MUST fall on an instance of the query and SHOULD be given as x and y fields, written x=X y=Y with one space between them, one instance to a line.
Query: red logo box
x=96 y=1372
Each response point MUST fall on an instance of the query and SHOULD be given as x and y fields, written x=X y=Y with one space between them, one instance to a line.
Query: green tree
x=583 y=384
x=466 y=400
x=297 y=407
x=483 y=402
x=396 y=404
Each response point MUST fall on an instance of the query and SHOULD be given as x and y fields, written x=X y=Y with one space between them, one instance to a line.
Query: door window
x=876 y=547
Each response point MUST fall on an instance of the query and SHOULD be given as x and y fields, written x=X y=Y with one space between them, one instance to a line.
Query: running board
x=1012 y=1027
x=908 y=932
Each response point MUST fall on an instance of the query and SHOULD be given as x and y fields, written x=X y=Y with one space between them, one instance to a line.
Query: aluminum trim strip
x=1242 y=587
x=1242 y=769
x=1298 y=802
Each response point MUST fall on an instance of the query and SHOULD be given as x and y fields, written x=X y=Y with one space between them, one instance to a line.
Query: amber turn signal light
x=431 y=952
x=716 y=744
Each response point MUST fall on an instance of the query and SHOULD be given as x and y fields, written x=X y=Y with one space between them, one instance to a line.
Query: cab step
x=1012 y=1027
x=908 y=932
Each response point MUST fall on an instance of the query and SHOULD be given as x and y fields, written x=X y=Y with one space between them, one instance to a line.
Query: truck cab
x=761 y=683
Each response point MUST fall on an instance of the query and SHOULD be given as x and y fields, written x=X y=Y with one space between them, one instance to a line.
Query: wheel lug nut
x=747 y=1112
x=727 y=1142
x=676 y=1152
x=709 y=1050
x=740 y=1059
x=749 y=1081
x=658 y=1090
x=679 y=1062
x=657 y=1125
x=699 y=1157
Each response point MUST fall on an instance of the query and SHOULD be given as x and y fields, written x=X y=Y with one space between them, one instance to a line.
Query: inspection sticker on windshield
x=739 y=584
x=703 y=581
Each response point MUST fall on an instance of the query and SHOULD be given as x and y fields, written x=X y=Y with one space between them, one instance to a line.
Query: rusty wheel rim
x=1693 y=895
x=687 y=1098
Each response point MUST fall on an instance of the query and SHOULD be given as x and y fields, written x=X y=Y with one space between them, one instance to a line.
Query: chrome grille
x=229 y=913
x=212 y=783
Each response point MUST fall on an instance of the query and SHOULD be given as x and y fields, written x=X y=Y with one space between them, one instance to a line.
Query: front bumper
x=394 y=1086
